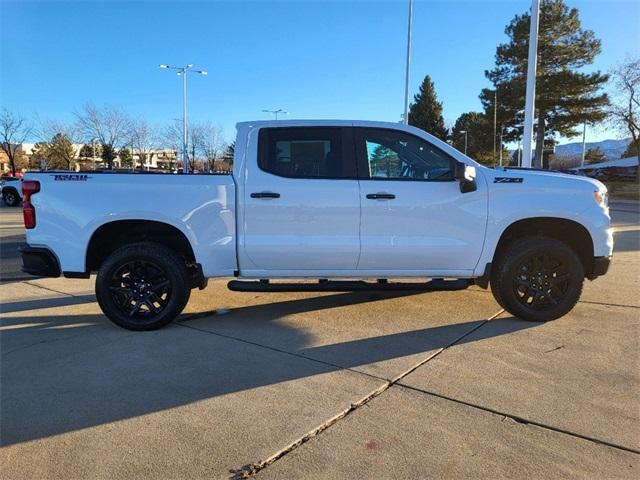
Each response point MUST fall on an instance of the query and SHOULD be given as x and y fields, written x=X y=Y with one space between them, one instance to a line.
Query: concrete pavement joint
x=59 y=292
x=249 y=470
x=274 y=349
x=590 y=302
x=522 y=420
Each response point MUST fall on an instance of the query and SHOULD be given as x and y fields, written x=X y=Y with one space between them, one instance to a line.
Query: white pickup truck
x=322 y=200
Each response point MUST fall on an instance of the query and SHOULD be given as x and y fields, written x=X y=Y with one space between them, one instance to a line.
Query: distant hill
x=612 y=149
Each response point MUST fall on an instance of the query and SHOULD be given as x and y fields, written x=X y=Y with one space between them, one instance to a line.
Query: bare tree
x=109 y=125
x=14 y=130
x=211 y=143
x=172 y=137
x=625 y=109
x=144 y=138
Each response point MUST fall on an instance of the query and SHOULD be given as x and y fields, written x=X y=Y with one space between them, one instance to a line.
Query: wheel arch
x=571 y=233
x=112 y=235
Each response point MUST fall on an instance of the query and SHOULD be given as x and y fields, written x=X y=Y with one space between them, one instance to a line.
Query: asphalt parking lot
x=341 y=385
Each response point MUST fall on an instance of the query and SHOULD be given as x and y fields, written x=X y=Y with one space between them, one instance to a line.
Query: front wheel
x=537 y=279
x=143 y=286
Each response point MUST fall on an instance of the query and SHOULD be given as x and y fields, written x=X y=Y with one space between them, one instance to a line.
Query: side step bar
x=347 y=286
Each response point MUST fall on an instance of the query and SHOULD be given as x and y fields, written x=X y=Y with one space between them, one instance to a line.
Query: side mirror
x=466 y=174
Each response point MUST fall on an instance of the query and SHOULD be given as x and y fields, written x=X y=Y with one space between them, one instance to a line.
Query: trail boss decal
x=70 y=178
x=508 y=180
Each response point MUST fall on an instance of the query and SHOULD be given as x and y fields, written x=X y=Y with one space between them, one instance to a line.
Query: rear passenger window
x=306 y=152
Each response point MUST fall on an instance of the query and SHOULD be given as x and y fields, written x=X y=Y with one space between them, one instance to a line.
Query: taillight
x=29 y=187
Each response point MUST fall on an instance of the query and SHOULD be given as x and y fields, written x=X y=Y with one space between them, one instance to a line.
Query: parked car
x=11 y=191
x=324 y=200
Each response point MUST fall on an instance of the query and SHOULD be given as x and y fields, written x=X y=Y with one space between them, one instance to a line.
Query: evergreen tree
x=632 y=150
x=126 y=159
x=426 y=111
x=87 y=151
x=594 y=155
x=566 y=96
x=479 y=136
x=229 y=152
x=108 y=154
x=61 y=155
x=384 y=162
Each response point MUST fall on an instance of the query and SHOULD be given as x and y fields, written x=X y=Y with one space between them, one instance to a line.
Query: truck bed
x=70 y=207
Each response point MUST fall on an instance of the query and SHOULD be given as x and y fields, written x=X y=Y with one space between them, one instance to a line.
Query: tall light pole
x=495 y=121
x=500 y=145
x=529 y=104
x=93 y=156
x=182 y=71
x=276 y=112
x=408 y=66
x=465 y=140
x=584 y=145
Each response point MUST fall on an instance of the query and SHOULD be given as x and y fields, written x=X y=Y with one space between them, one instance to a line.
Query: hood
x=529 y=178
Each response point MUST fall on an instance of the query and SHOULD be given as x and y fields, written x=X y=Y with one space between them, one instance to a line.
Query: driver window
x=395 y=155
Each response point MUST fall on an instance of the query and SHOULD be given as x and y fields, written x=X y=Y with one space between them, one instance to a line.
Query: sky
x=314 y=59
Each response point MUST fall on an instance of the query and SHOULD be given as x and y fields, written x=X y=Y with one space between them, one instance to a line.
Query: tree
x=594 y=155
x=479 y=136
x=109 y=125
x=61 y=154
x=229 y=153
x=208 y=140
x=632 y=150
x=566 y=96
x=426 y=111
x=385 y=162
x=56 y=154
x=87 y=151
x=14 y=130
x=108 y=154
x=126 y=160
x=625 y=111
x=143 y=138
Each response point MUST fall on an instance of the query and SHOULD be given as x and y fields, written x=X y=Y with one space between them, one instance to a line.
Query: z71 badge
x=73 y=177
x=508 y=180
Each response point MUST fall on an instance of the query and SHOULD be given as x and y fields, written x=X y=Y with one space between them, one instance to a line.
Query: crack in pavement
x=522 y=420
x=249 y=470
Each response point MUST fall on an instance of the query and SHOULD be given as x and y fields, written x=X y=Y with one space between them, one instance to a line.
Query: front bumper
x=600 y=266
x=39 y=262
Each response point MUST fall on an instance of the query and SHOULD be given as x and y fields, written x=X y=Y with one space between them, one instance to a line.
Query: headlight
x=601 y=197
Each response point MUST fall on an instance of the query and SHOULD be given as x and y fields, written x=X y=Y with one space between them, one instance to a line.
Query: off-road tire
x=537 y=278
x=143 y=286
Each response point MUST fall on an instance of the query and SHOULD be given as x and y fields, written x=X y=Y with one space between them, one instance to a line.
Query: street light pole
x=584 y=136
x=465 y=140
x=495 y=121
x=500 y=145
x=93 y=157
x=408 y=65
x=531 y=84
x=276 y=112
x=182 y=71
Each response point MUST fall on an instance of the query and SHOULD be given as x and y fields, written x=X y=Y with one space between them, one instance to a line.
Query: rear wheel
x=143 y=286
x=537 y=279
x=11 y=198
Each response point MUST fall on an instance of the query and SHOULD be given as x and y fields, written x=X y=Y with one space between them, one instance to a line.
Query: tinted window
x=397 y=155
x=306 y=152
